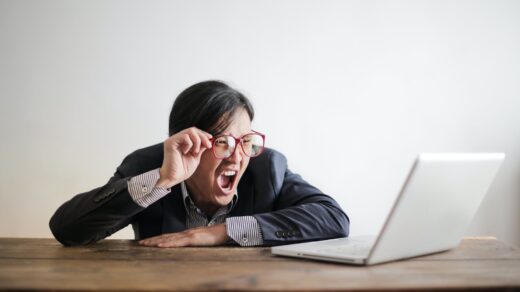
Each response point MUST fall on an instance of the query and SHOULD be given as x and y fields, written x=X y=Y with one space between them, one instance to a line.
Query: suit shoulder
x=151 y=152
x=270 y=164
x=268 y=159
x=142 y=160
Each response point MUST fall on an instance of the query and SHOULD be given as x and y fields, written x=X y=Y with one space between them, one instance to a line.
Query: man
x=211 y=182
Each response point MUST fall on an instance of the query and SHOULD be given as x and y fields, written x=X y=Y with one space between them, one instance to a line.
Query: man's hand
x=182 y=152
x=201 y=236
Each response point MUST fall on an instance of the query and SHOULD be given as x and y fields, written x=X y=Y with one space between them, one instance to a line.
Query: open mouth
x=226 y=180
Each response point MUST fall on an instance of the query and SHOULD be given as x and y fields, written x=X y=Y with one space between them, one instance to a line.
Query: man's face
x=215 y=181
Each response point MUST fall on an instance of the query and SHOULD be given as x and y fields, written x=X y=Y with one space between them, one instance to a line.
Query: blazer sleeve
x=96 y=214
x=301 y=211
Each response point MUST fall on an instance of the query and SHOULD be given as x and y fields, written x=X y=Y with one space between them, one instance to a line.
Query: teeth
x=230 y=173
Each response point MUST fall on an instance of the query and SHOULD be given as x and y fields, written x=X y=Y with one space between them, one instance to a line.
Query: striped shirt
x=244 y=230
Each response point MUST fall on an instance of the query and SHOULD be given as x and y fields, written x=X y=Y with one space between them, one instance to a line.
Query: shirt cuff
x=244 y=230
x=142 y=188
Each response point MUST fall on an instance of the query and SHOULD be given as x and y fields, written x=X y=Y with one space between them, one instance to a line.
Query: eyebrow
x=228 y=133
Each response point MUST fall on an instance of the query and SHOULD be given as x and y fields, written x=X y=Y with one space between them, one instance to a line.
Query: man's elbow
x=68 y=236
x=342 y=223
x=338 y=220
x=345 y=227
x=59 y=233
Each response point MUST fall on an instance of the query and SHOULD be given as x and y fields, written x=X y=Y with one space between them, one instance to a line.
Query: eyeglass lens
x=224 y=146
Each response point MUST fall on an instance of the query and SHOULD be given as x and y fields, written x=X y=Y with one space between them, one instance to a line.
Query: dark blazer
x=287 y=208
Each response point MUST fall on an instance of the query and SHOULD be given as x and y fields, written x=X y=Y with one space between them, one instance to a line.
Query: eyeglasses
x=225 y=145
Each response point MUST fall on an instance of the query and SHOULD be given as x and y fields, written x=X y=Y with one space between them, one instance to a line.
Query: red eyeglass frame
x=238 y=141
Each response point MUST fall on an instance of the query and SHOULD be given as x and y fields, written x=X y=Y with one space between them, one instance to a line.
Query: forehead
x=240 y=124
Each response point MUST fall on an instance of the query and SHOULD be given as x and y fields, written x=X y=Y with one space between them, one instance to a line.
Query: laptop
x=435 y=205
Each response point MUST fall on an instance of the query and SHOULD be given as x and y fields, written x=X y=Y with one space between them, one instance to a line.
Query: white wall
x=83 y=83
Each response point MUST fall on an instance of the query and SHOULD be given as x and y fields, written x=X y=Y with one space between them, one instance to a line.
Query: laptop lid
x=436 y=204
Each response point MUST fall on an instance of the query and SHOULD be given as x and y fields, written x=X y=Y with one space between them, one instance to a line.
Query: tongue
x=224 y=181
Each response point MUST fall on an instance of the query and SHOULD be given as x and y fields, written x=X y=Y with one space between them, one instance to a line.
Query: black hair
x=209 y=106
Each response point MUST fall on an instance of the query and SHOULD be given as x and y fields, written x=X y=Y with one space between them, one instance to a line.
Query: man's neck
x=207 y=208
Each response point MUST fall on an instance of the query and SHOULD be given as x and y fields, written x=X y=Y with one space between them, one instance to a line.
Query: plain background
x=349 y=91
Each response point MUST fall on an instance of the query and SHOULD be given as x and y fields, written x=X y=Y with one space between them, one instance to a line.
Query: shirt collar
x=188 y=202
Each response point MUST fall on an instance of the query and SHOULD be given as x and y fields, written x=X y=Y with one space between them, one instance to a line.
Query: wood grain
x=119 y=265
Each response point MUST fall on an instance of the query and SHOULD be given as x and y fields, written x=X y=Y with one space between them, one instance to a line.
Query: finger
x=204 y=133
x=204 y=137
x=178 y=242
x=186 y=144
x=148 y=240
x=207 y=135
x=156 y=242
x=195 y=138
x=169 y=240
x=171 y=237
x=180 y=239
x=205 y=140
x=156 y=239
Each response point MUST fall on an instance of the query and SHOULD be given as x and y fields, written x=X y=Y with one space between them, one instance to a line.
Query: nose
x=236 y=157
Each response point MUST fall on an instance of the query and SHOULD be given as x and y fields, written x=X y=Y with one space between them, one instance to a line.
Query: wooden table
x=43 y=264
